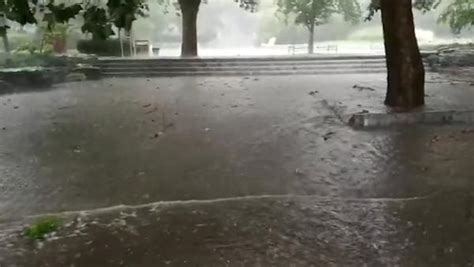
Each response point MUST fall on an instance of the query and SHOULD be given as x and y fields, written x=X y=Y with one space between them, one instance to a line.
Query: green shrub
x=42 y=227
x=29 y=47
x=108 y=48
x=25 y=59
x=18 y=39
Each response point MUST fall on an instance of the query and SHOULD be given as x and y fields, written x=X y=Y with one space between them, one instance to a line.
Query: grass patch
x=42 y=227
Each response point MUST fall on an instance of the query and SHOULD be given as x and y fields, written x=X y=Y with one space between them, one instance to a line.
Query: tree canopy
x=318 y=12
x=459 y=15
x=311 y=13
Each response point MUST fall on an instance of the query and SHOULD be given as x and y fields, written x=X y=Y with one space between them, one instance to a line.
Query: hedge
x=104 y=48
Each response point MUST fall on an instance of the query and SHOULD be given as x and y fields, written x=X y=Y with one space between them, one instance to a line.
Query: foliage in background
x=102 y=47
x=54 y=38
x=311 y=13
x=19 y=11
x=97 y=23
x=61 y=14
x=124 y=13
x=459 y=15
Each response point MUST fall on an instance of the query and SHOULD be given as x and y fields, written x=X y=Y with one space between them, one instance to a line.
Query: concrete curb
x=375 y=120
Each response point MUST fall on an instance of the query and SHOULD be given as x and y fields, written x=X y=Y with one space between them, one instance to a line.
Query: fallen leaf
x=328 y=135
x=362 y=88
x=151 y=111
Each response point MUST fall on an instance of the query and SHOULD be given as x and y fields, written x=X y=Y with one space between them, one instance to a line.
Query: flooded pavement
x=431 y=230
x=229 y=171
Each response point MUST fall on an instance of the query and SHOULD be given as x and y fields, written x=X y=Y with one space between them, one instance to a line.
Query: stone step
x=244 y=59
x=238 y=68
x=152 y=73
x=238 y=63
x=244 y=65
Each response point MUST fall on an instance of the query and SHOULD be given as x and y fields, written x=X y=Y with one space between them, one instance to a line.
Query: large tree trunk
x=406 y=73
x=311 y=39
x=189 y=11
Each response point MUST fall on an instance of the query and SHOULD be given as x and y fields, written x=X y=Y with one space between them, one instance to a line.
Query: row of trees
x=98 y=16
x=406 y=73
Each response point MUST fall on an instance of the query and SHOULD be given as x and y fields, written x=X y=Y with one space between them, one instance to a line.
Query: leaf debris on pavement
x=362 y=88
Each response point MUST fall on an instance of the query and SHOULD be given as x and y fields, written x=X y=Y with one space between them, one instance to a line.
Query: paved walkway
x=233 y=171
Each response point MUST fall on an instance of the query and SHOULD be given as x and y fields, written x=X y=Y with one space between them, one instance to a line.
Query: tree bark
x=406 y=73
x=311 y=39
x=189 y=11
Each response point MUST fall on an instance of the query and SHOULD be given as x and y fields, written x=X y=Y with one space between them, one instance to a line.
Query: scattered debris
x=75 y=77
x=151 y=111
x=158 y=134
x=364 y=111
x=16 y=107
x=167 y=126
x=298 y=172
x=328 y=135
x=76 y=149
x=466 y=131
x=234 y=106
x=435 y=139
x=146 y=105
x=64 y=107
x=362 y=88
x=313 y=92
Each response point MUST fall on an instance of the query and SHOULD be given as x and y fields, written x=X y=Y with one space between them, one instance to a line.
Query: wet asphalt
x=236 y=171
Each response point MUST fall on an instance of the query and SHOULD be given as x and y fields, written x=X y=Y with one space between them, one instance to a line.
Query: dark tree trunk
x=311 y=39
x=189 y=11
x=406 y=73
